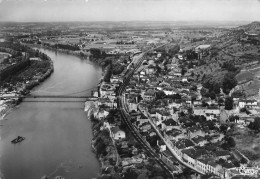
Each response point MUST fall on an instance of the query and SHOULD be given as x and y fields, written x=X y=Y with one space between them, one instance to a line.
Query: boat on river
x=17 y=140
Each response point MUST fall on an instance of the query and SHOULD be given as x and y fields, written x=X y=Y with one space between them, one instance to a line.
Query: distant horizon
x=229 y=22
x=129 y=10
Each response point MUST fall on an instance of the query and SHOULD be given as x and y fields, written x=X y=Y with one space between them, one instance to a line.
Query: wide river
x=57 y=131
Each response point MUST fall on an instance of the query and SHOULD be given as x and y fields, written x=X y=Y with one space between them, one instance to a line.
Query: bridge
x=74 y=95
x=90 y=98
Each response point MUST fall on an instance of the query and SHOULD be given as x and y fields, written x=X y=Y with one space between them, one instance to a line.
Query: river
x=57 y=131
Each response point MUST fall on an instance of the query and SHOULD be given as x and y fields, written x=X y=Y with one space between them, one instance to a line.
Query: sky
x=129 y=10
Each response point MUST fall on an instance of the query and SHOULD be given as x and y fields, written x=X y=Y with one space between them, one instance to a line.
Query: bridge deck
x=49 y=96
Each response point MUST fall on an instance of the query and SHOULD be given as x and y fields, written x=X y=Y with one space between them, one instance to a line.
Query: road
x=171 y=149
x=126 y=119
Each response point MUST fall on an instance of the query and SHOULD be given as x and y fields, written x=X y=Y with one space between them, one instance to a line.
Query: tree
x=211 y=125
x=229 y=82
x=220 y=101
x=255 y=125
x=203 y=91
x=160 y=94
x=204 y=104
x=211 y=95
x=223 y=128
x=229 y=103
x=183 y=71
x=108 y=73
x=229 y=142
x=243 y=161
x=233 y=118
x=229 y=66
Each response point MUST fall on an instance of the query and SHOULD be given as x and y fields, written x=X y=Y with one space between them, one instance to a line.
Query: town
x=175 y=103
x=186 y=122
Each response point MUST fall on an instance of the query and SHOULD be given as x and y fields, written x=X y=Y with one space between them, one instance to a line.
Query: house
x=184 y=143
x=101 y=113
x=149 y=95
x=132 y=105
x=144 y=127
x=216 y=138
x=194 y=155
x=142 y=107
x=117 y=133
x=224 y=154
x=163 y=115
x=174 y=134
x=197 y=102
x=142 y=119
x=195 y=131
x=107 y=102
x=199 y=140
x=169 y=90
x=161 y=145
x=167 y=157
x=175 y=104
x=150 y=70
x=209 y=166
x=202 y=50
x=210 y=113
x=250 y=104
x=169 y=124
x=34 y=59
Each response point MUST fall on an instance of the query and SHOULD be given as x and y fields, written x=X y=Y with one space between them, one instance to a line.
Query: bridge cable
x=77 y=92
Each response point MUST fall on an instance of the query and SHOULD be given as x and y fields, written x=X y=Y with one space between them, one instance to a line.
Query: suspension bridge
x=74 y=95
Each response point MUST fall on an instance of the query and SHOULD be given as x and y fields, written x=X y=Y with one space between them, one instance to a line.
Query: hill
x=252 y=28
x=239 y=47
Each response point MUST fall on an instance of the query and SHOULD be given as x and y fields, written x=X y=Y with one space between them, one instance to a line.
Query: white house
x=161 y=145
x=101 y=113
x=209 y=113
x=194 y=132
x=251 y=104
x=163 y=115
x=149 y=95
x=117 y=133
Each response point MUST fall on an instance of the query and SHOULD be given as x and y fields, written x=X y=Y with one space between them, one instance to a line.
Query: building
x=209 y=113
x=149 y=95
x=202 y=50
x=117 y=133
x=250 y=104
x=194 y=132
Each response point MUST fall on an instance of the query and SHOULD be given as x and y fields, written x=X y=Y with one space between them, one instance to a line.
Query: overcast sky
x=125 y=10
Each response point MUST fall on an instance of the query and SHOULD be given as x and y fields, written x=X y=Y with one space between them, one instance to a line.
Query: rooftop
x=202 y=47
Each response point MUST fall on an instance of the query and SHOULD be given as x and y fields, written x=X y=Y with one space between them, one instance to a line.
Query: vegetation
x=228 y=143
x=229 y=103
x=255 y=125
x=108 y=73
x=238 y=94
x=229 y=82
x=21 y=69
x=67 y=47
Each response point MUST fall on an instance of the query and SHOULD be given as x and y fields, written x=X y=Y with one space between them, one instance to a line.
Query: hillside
x=253 y=27
x=237 y=47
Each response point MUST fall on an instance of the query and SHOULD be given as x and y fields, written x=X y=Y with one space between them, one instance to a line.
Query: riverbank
x=6 y=105
x=69 y=52
x=102 y=144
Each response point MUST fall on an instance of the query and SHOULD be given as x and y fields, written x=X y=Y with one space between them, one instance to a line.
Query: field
x=248 y=143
